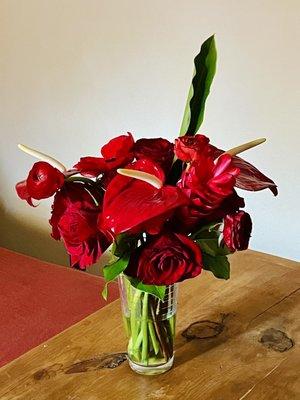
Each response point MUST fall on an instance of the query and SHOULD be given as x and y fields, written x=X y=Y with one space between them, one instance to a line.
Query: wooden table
x=246 y=345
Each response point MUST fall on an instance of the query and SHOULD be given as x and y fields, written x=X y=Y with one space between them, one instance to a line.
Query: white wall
x=74 y=73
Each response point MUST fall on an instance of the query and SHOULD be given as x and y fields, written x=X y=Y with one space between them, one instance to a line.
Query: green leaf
x=124 y=243
x=111 y=271
x=218 y=265
x=211 y=246
x=205 y=68
x=157 y=291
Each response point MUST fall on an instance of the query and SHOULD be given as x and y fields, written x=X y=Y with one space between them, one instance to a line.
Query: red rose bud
x=237 y=231
x=116 y=153
x=167 y=259
x=190 y=148
x=157 y=150
x=42 y=182
x=74 y=220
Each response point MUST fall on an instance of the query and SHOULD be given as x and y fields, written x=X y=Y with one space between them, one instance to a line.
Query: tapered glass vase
x=150 y=327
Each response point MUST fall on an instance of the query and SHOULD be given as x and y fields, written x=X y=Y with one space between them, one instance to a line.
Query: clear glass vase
x=150 y=327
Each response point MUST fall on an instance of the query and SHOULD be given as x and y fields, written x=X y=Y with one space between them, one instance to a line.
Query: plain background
x=75 y=73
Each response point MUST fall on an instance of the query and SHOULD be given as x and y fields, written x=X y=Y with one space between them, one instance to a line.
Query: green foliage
x=205 y=68
x=213 y=253
x=218 y=265
x=111 y=271
x=158 y=291
x=124 y=244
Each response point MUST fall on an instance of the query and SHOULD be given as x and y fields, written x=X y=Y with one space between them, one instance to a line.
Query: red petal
x=21 y=188
x=130 y=203
x=249 y=178
x=118 y=147
x=91 y=166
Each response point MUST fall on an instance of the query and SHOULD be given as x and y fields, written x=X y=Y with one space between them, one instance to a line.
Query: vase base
x=151 y=369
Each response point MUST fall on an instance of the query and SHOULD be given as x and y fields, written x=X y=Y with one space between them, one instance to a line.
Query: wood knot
x=97 y=363
x=205 y=329
x=276 y=340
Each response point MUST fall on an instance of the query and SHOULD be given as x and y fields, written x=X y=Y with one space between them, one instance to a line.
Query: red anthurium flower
x=74 y=220
x=237 y=230
x=42 y=182
x=249 y=178
x=131 y=204
x=116 y=153
x=207 y=183
x=166 y=259
x=158 y=150
x=190 y=148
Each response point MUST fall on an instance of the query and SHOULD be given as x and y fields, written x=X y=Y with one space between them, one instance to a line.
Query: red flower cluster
x=88 y=213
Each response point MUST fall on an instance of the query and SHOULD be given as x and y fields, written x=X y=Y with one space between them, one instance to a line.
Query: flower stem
x=134 y=322
x=144 y=329
x=154 y=341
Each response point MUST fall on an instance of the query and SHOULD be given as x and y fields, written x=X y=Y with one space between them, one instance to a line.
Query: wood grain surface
x=236 y=339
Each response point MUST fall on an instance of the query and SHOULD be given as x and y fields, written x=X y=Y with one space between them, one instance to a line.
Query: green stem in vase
x=134 y=322
x=144 y=329
x=153 y=338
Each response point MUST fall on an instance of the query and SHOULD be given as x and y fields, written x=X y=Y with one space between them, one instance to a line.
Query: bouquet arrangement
x=163 y=210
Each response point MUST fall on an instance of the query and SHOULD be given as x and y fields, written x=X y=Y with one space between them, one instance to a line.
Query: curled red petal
x=22 y=192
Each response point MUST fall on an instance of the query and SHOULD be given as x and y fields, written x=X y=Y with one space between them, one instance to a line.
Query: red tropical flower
x=131 y=204
x=42 y=182
x=249 y=178
x=116 y=153
x=74 y=220
x=166 y=259
x=207 y=183
x=158 y=150
x=190 y=148
x=237 y=230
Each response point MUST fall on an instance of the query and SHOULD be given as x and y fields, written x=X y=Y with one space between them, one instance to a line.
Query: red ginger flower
x=166 y=259
x=207 y=183
x=116 y=153
x=131 y=204
x=190 y=148
x=74 y=220
x=42 y=182
x=237 y=230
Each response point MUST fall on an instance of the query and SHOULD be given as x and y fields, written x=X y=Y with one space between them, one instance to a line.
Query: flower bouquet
x=162 y=211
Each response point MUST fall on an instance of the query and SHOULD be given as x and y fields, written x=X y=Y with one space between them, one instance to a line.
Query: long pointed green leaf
x=205 y=68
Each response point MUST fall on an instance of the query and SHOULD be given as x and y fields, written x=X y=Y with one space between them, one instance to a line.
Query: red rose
x=74 y=220
x=42 y=182
x=116 y=153
x=207 y=183
x=158 y=150
x=237 y=230
x=166 y=259
x=189 y=148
